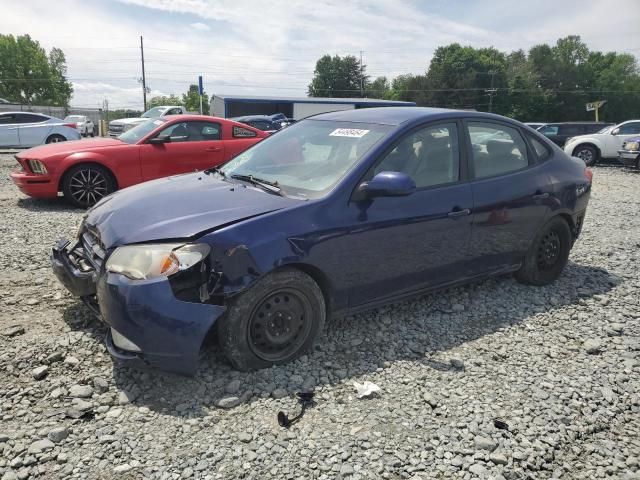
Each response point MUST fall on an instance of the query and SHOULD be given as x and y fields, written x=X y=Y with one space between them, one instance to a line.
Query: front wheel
x=547 y=255
x=587 y=153
x=55 y=138
x=85 y=185
x=273 y=322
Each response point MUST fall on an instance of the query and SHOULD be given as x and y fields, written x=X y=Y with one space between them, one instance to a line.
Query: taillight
x=71 y=125
x=588 y=173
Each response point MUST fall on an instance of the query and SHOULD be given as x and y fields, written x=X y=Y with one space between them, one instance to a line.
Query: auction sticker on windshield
x=348 y=132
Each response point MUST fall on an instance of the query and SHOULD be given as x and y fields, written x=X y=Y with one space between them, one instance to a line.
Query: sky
x=270 y=47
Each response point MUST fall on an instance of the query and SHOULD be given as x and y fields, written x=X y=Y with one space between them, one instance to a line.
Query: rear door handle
x=458 y=212
x=213 y=149
x=540 y=196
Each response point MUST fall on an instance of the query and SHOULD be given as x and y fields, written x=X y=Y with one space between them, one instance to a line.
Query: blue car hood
x=176 y=208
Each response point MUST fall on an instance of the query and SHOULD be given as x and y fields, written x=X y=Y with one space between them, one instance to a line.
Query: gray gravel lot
x=494 y=380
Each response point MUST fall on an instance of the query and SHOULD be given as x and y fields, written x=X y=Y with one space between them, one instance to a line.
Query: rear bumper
x=168 y=331
x=628 y=158
x=38 y=186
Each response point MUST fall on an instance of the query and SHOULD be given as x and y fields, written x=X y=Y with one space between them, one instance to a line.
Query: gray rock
x=457 y=363
x=53 y=358
x=58 y=434
x=81 y=405
x=228 y=402
x=346 y=470
x=498 y=458
x=71 y=361
x=428 y=397
x=279 y=393
x=233 y=386
x=13 y=331
x=9 y=475
x=592 y=346
x=123 y=468
x=41 y=446
x=478 y=470
x=81 y=391
x=485 y=443
x=40 y=372
x=245 y=437
x=100 y=384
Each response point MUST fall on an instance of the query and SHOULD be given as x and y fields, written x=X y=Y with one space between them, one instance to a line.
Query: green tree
x=379 y=88
x=338 y=77
x=164 y=100
x=28 y=75
x=191 y=100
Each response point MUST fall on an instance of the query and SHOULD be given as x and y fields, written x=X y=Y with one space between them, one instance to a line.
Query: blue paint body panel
x=363 y=252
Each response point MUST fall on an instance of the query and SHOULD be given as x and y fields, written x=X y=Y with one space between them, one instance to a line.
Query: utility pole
x=361 y=76
x=144 y=79
x=491 y=91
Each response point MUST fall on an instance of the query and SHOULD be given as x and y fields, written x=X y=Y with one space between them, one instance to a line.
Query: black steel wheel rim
x=549 y=251
x=88 y=186
x=280 y=324
x=585 y=154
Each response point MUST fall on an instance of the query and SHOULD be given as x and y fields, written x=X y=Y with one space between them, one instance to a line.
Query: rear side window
x=542 y=151
x=241 y=132
x=496 y=149
x=29 y=118
x=571 y=129
x=174 y=111
x=7 y=119
x=549 y=130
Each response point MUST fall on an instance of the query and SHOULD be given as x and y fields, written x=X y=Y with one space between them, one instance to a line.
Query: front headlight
x=632 y=146
x=142 y=262
x=37 y=166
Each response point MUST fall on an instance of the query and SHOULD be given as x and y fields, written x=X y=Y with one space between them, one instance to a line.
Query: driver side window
x=632 y=128
x=430 y=156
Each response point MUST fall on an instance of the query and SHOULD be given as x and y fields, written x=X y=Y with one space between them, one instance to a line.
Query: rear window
x=241 y=132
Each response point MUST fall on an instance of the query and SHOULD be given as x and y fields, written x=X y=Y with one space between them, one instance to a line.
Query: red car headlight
x=37 y=166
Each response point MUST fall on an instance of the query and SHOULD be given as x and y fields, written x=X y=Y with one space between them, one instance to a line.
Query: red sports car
x=87 y=170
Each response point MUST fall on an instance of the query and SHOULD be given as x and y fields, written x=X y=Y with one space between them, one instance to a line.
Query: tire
x=84 y=185
x=55 y=138
x=547 y=255
x=587 y=153
x=296 y=302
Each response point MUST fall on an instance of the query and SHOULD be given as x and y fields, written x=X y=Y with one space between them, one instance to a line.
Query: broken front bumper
x=168 y=332
x=629 y=158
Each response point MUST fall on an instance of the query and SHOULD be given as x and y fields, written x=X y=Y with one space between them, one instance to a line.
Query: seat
x=435 y=162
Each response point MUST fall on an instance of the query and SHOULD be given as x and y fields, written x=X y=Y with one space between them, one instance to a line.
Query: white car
x=27 y=129
x=116 y=127
x=602 y=144
x=84 y=124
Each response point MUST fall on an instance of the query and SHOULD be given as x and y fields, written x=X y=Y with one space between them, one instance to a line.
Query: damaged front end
x=156 y=318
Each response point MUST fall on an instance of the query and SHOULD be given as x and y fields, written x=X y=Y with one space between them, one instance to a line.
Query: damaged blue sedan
x=337 y=213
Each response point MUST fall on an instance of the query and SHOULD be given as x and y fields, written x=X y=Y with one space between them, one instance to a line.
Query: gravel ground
x=494 y=380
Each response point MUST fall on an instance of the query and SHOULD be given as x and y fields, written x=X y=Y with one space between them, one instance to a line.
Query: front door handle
x=540 y=196
x=213 y=149
x=458 y=212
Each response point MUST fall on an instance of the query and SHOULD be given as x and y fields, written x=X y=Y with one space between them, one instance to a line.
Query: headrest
x=499 y=147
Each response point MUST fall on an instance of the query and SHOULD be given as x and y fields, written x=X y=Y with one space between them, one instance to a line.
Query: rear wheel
x=547 y=255
x=273 y=322
x=587 y=153
x=55 y=138
x=84 y=185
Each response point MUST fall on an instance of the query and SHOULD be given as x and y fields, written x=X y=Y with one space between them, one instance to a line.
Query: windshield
x=606 y=129
x=140 y=131
x=154 y=112
x=308 y=158
x=74 y=118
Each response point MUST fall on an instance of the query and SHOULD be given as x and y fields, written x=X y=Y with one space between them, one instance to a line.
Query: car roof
x=32 y=113
x=400 y=115
x=247 y=118
x=192 y=116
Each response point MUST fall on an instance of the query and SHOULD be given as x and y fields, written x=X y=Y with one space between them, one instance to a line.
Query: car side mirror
x=160 y=139
x=388 y=184
x=615 y=131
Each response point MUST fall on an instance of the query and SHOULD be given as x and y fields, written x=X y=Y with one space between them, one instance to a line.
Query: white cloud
x=271 y=48
x=200 y=26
